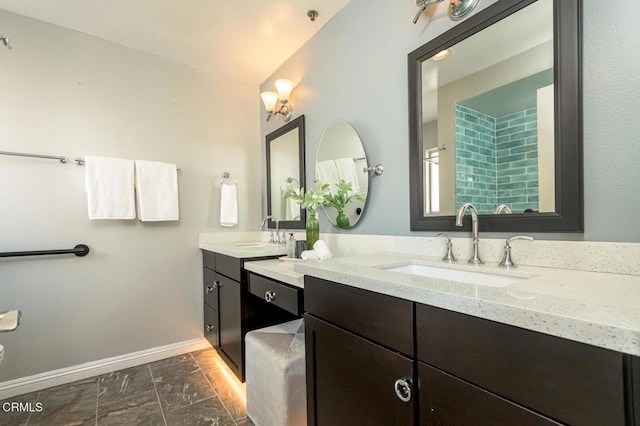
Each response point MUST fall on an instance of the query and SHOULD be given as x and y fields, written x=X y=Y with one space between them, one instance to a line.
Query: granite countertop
x=245 y=249
x=600 y=309
x=278 y=270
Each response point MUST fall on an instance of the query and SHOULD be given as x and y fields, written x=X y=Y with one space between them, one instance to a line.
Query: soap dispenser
x=291 y=246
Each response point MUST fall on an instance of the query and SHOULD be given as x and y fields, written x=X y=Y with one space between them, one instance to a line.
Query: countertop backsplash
x=619 y=258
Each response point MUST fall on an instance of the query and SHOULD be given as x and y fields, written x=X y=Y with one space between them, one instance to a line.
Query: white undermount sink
x=470 y=277
x=253 y=245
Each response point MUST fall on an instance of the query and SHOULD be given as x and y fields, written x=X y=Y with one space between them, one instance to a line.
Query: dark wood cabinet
x=230 y=311
x=224 y=309
x=463 y=370
x=447 y=400
x=572 y=382
x=211 y=319
x=356 y=350
x=231 y=332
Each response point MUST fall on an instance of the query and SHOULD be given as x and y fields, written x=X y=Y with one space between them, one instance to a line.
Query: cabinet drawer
x=446 y=400
x=211 y=325
x=209 y=259
x=568 y=381
x=210 y=288
x=384 y=319
x=281 y=295
x=229 y=266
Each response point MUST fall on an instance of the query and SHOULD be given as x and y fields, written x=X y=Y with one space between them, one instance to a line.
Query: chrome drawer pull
x=403 y=389
x=270 y=296
x=216 y=284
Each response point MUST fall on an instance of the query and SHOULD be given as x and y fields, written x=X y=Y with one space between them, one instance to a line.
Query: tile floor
x=192 y=389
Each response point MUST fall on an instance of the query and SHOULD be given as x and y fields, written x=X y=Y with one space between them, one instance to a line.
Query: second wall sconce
x=270 y=99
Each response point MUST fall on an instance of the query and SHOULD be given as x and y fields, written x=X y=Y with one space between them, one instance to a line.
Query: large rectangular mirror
x=496 y=120
x=285 y=169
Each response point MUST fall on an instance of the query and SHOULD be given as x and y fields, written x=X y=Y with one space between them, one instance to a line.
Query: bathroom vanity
x=234 y=298
x=554 y=347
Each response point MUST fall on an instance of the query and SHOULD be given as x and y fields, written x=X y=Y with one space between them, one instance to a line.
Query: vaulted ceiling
x=244 y=39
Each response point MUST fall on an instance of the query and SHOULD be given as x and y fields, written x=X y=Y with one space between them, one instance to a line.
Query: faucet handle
x=507 y=260
x=448 y=257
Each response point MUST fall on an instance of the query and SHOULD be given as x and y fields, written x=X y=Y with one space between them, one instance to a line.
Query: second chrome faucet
x=475 y=256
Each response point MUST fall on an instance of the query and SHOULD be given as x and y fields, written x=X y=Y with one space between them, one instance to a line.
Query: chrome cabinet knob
x=403 y=389
x=211 y=288
x=211 y=327
x=269 y=296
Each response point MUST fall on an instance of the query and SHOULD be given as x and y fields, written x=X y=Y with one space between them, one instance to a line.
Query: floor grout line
x=215 y=392
x=31 y=413
x=97 y=397
x=157 y=395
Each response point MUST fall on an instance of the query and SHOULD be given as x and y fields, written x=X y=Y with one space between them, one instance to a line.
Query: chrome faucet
x=266 y=218
x=475 y=257
x=277 y=240
x=449 y=256
x=507 y=259
x=502 y=208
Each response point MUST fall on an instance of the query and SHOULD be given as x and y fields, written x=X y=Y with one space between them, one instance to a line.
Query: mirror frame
x=569 y=203
x=298 y=123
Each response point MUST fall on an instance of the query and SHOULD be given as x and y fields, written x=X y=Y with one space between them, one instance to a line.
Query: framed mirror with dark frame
x=495 y=119
x=285 y=169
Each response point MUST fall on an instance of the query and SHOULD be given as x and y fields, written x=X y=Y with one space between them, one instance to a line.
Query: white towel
x=290 y=208
x=347 y=171
x=109 y=186
x=327 y=172
x=157 y=191
x=309 y=255
x=322 y=250
x=228 y=204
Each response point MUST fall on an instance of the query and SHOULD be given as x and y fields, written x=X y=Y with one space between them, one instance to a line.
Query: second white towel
x=157 y=191
x=228 y=205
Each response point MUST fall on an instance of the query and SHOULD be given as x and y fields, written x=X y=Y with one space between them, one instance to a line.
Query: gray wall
x=66 y=93
x=355 y=69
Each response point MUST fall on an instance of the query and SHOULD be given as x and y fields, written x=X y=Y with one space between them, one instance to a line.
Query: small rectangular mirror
x=285 y=169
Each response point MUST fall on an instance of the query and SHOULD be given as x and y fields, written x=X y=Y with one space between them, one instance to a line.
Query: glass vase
x=313 y=230
x=342 y=220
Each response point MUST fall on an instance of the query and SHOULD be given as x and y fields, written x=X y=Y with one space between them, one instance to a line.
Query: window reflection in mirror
x=488 y=118
x=285 y=169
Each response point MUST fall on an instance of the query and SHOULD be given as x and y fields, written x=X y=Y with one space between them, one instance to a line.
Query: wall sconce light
x=270 y=99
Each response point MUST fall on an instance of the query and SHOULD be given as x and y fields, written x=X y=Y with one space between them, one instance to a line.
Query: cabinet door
x=351 y=381
x=446 y=400
x=230 y=313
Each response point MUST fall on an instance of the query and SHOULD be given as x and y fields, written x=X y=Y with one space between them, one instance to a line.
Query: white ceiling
x=244 y=39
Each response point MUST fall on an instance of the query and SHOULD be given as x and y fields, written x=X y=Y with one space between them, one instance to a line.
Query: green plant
x=343 y=196
x=311 y=199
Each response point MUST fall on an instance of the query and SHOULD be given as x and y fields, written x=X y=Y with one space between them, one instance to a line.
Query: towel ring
x=225 y=176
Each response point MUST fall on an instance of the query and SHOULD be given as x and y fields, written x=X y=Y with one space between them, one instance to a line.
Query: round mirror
x=340 y=162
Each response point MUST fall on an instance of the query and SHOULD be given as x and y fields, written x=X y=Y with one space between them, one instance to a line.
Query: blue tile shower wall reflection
x=496 y=160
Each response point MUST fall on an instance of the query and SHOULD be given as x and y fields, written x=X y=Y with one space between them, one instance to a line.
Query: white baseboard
x=62 y=376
